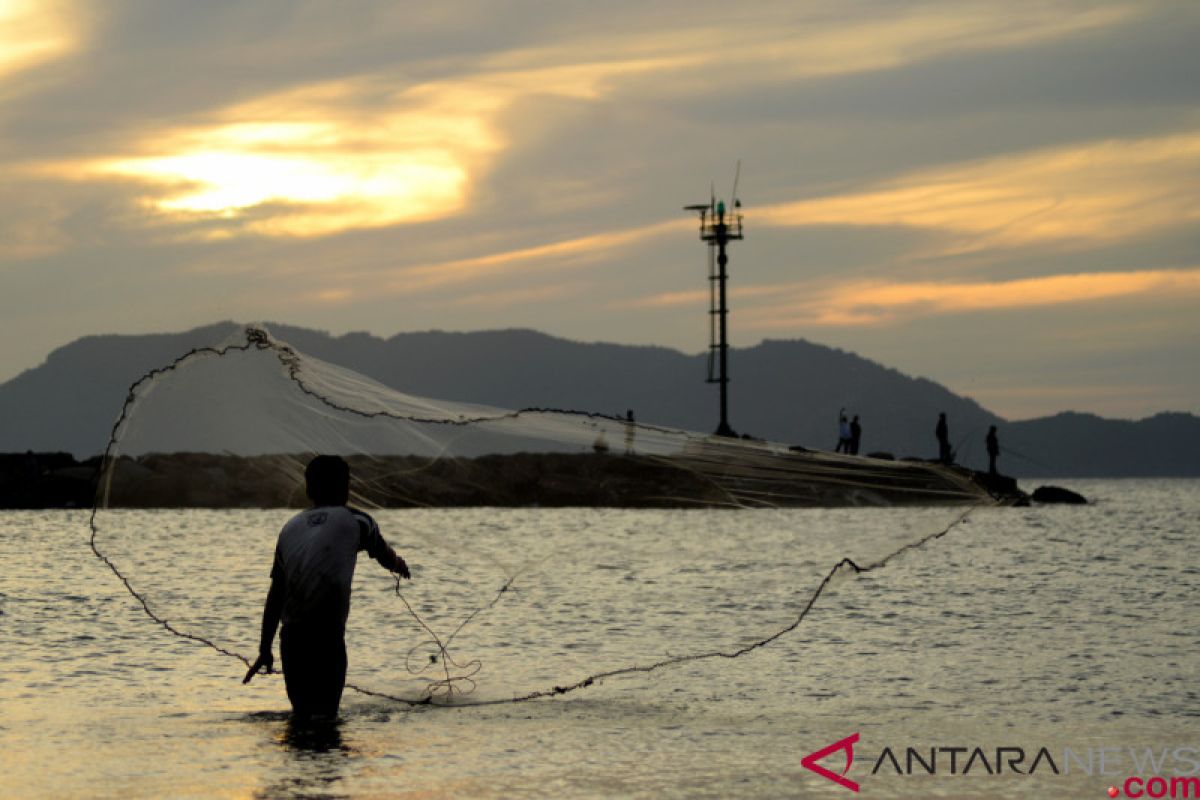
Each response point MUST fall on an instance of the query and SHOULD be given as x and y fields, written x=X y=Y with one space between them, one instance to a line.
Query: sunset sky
x=1000 y=196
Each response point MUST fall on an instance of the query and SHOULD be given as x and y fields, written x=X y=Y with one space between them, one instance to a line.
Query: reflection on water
x=316 y=759
x=306 y=737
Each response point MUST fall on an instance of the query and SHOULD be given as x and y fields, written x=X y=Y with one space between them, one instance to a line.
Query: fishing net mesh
x=529 y=578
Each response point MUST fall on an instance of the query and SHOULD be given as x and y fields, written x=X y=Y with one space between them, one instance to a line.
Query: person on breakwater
x=855 y=435
x=310 y=590
x=993 y=449
x=630 y=432
x=942 y=432
x=843 y=444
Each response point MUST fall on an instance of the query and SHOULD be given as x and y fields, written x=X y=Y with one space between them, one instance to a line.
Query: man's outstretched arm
x=272 y=612
x=390 y=560
x=372 y=541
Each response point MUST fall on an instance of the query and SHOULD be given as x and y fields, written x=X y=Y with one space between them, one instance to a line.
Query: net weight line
x=448 y=685
x=258 y=339
x=845 y=564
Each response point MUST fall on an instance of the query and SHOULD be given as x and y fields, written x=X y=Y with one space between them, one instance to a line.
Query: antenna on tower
x=733 y=195
x=718 y=227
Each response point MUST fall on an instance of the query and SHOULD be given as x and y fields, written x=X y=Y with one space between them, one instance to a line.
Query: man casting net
x=528 y=578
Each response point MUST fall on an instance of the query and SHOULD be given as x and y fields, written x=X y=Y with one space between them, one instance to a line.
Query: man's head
x=327 y=481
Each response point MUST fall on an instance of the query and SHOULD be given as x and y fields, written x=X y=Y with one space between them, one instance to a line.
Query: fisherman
x=943 y=438
x=310 y=590
x=855 y=435
x=630 y=432
x=843 y=445
x=993 y=449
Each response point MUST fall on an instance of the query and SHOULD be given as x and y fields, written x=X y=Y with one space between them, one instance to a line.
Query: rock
x=997 y=484
x=1001 y=487
x=1057 y=494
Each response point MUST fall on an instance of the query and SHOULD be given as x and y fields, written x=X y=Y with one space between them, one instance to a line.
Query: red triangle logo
x=810 y=761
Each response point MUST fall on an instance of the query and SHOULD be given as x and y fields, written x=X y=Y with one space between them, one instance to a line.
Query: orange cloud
x=511 y=297
x=692 y=297
x=582 y=249
x=33 y=32
x=329 y=297
x=452 y=274
x=875 y=302
x=1083 y=195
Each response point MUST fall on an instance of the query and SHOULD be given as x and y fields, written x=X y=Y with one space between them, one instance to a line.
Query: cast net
x=532 y=576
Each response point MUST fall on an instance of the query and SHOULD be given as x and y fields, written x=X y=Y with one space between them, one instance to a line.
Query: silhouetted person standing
x=310 y=589
x=855 y=435
x=843 y=445
x=943 y=438
x=993 y=449
x=630 y=432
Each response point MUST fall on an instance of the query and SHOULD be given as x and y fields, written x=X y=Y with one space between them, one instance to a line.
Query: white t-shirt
x=315 y=559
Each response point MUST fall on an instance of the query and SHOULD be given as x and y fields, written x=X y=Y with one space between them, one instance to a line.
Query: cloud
x=468 y=163
x=32 y=32
x=873 y=302
x=790 y=40
x=300 y=164
x=506 y=278
x=379 y=149
x=697 y=297
x=1072 y=196
x=538 y=258
x=311 y=161
x=35 y=228
x=510 y=297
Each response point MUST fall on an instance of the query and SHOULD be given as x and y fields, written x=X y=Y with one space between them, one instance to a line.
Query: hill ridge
x=788 y=390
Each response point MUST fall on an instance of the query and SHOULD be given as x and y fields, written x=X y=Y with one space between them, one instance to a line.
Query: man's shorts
x=314 y=668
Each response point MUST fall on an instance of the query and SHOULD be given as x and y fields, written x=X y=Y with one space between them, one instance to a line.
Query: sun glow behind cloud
x=320 y=177
x=348 y=190
x=309 y=162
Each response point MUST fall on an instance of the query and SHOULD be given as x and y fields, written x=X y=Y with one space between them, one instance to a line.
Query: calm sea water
x=1072 y=629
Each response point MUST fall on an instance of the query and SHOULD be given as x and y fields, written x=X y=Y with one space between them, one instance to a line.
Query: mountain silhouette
x=788 y=391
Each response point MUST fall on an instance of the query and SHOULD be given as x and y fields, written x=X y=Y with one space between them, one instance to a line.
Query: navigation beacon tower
x=718 y=227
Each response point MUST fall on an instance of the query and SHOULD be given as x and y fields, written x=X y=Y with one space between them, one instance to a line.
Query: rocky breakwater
x=709 y=473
